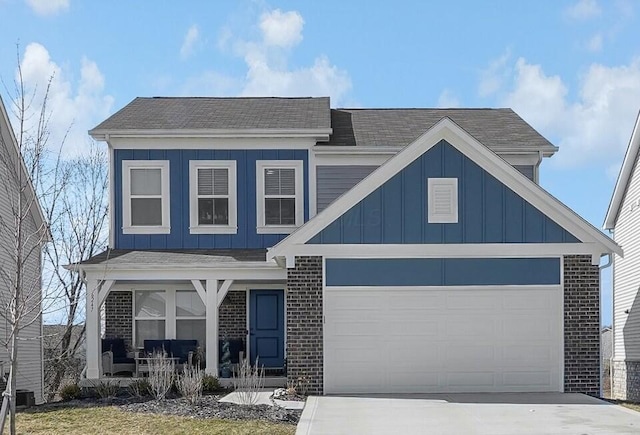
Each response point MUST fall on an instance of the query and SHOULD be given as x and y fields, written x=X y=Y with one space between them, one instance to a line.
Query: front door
x=266 y=328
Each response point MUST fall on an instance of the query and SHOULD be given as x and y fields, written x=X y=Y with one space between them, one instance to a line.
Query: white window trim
x=127 y=166
x=434 y=218
x=261 y=165
x=195 y=228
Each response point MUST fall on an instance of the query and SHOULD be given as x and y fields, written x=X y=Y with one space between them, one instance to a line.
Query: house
x=623 y=219
x=15 y=179
x=365 y=250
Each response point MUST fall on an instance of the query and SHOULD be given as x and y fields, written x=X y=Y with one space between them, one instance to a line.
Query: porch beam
x=197 y=284
x=92 y=319
x=211 y=324
x=105 y=288
x=224 y=289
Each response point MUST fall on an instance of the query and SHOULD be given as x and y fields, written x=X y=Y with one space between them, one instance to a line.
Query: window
x=212 y=190
x=145 y=189
x=150 y=316
x=190 y=317
x=279 y=196
x=170 y=313
x=442 y=200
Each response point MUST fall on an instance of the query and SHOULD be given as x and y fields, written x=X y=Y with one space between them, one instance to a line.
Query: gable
x=489 y=211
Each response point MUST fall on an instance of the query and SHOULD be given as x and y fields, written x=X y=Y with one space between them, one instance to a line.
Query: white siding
x=626 y=274
x=29 y=376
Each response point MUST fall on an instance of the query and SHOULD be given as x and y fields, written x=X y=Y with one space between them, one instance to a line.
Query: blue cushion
x=180 y=349
x=115 y=345
x=157 y=345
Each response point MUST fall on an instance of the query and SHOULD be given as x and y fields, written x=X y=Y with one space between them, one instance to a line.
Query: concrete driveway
x=444 y=414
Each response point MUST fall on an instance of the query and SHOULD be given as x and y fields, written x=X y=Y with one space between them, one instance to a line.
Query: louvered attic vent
x=442 y=200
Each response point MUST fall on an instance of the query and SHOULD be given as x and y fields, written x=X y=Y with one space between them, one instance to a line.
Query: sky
x=569 y=68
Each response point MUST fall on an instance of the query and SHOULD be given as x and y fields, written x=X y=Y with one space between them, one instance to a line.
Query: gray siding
x=626 y=275
x=333 y=181
x=527 y=170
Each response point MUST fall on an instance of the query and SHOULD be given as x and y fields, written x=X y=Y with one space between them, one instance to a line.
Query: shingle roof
x=209 y=113
x=496 y=128
x=202 y=257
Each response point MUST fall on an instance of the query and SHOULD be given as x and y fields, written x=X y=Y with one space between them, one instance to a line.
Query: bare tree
x=79 y=231
x=23 y=231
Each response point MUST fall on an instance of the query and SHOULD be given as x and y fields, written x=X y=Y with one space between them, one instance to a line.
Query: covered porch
x=180 y=296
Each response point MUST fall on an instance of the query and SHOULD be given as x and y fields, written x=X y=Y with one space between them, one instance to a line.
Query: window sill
x=146 y=230
x=277 y=229
x=213 y=230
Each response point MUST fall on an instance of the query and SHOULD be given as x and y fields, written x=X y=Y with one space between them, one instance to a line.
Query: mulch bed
x=208 y=407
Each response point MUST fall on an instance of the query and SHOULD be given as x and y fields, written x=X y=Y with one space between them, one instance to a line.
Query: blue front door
x=266 y=328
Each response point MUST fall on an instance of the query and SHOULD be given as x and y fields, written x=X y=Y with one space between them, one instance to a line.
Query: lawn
x=111 y=420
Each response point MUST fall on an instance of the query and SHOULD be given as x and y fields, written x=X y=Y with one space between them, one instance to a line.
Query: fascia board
x=624 y=176
x=319 y=134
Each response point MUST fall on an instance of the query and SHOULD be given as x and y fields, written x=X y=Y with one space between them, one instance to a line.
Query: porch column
x=92 y=323
x=212 y=327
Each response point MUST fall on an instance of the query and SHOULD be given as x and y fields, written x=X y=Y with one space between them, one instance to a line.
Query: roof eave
x=320 y=134
x=630 y=157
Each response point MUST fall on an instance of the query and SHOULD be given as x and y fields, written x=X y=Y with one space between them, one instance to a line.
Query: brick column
x=118 y=320
x=304 y=322
x=581 y=325
x=232 y=316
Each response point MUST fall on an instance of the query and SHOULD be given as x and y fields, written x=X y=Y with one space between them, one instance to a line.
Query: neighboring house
x=29 y=375
x=623 y=219
x=376 y=250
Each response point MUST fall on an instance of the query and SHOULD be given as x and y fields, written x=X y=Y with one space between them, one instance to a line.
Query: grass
x=111 y=420
x=634 y=406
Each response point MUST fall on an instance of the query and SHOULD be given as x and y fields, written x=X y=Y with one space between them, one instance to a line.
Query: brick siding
x=304 y=323
x=581 y=325
x=232 y=316
x=119 y=316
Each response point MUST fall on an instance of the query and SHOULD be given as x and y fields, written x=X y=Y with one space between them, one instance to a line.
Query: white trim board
x=630 y=159
x=447 y=130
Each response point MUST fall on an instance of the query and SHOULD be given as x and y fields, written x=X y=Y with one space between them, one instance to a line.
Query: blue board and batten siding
x=179 y=237
x=489 y=212
x=442 y=271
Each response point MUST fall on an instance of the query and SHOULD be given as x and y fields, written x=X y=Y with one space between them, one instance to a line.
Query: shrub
x=190 y=384
x=106 y=389
x=161 y=372
x=210 y=384
x=140 y=388
x=70 y=392
x=248 y=382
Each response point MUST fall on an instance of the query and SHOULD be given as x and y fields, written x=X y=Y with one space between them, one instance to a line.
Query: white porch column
x=212 y=327
x=92 y=322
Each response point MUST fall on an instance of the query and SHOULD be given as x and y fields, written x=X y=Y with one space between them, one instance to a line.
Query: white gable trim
x=630 y=158
x=461 y=140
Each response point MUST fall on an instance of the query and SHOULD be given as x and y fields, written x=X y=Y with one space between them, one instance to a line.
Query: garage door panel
x=479 y=340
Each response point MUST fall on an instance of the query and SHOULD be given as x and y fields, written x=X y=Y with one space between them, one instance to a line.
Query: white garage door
x=442 y=340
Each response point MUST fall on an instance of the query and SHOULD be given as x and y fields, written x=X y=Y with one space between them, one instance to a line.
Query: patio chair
x=115 y=358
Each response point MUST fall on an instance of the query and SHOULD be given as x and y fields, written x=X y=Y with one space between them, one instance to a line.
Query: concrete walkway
x=263 y=398
x=454 y=414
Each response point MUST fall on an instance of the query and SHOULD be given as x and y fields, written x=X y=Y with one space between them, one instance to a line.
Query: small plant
x=106 y=389
x=302 y=385
x=292 y=389
x=210 y=384
x=161 y=373
x=248 y=382
x=140 y=388
x=70 y=392
x=190 y=384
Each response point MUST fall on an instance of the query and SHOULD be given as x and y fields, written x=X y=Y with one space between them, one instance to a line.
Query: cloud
x=583 y=10
x=48 y=7
x=190 y=39
x=448 y=99
x=595 y=43
x=493 y=77
x=592 y=126
x=281 y=29
x=75 y=106
x=267 y=60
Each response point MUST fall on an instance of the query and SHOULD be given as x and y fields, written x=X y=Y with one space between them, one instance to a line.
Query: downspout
x=536 y=169
x=603 y=267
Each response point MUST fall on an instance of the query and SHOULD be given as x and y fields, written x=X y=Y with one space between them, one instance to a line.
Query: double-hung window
x=280 y=196
x=150 y=315
x=145 y=197
x=212 y=191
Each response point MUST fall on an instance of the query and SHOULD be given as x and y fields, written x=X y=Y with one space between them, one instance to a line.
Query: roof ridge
x=423 y=108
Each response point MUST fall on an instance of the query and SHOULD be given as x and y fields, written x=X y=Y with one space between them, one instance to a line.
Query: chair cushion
x=180 y=349
x=115 y=345
x=123 y=360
